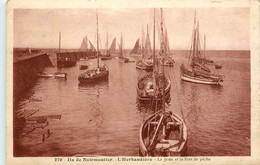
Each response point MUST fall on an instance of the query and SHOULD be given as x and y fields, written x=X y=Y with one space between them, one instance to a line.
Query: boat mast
x=59 y=41
x=163 y=54
x=154 y=39
x=97 y=40
x=107 y=42
x=197 y=41
x=121 y=46
x=194 y=37
x=142 y=46
x=204 y=46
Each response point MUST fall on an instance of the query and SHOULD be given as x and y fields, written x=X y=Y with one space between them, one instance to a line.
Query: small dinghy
x=106 y=57
x=218 y=66
x=60 y=75
x=54 y=75
x=163 y=134
x=82 y=67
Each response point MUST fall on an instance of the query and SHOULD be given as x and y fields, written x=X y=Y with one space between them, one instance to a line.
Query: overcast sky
x=225 y=28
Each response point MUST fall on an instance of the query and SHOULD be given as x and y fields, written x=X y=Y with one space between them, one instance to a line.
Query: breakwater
x=74 y=56
x=25 y=72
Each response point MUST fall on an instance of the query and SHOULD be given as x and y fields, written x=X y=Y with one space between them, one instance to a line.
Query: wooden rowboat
x=163 y=134
x=54 y=75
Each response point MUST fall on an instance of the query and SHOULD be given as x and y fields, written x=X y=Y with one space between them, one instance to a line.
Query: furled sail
x=112 y=48
x=84 y=44
x=136 y=49
x=167 y=45
x=121 y=47
x=147 y=46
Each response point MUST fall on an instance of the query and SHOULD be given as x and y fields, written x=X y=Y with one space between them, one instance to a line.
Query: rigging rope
x=178 y=93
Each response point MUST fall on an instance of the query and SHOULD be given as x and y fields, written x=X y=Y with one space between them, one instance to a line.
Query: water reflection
x=90 y=86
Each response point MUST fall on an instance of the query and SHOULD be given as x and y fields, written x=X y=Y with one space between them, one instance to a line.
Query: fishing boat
x=196 y=71
x=146 y=61
x=168 y=60
x=107 y=56
x=98 y=73
x=122 y=57
x=62 y=60
x=54 y=75
x=149 y=86
x=164 y=133
x=112 y=48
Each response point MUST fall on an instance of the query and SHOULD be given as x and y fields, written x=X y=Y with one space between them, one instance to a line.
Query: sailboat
x=64 y=60
x=149 y=86
x=146 y=62
x=208 y=61
x=196 y=71
x=168 y=61
x=98 y=73
x=163 y=133
x=122 y=57
x=112 y=48
x=107 y=56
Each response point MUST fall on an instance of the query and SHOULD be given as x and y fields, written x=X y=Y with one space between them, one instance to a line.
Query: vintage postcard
x=128 y=82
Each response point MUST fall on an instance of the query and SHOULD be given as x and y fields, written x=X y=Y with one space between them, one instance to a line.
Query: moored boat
x=146 y=61
x=122 y=57
x=149 y=86
x=64 y=61
x=168 y=60
x=107 y=56
x=163 y=134
x=196 y=70
x=94 y=75
x=147 y=90
x=98 y=73
x=54 y=75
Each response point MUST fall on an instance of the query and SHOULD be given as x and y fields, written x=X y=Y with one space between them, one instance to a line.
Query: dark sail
x=136 y=49
x=112 y=48
x=84 y=44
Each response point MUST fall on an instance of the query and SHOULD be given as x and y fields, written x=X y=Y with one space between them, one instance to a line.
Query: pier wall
x=25 y=72
x=75 y=56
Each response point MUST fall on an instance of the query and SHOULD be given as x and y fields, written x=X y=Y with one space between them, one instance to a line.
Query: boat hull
x=198 y=80
x=182 y=142
x=85 y=78
x=143 y=66
x=200 y=77
x=148 y=98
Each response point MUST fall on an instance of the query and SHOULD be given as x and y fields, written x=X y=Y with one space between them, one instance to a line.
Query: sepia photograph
x=131 y=82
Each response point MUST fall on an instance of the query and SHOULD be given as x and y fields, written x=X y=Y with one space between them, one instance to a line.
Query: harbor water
x=104 y=119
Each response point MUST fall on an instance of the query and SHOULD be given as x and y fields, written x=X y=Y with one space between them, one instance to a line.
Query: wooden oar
x=156 y=131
